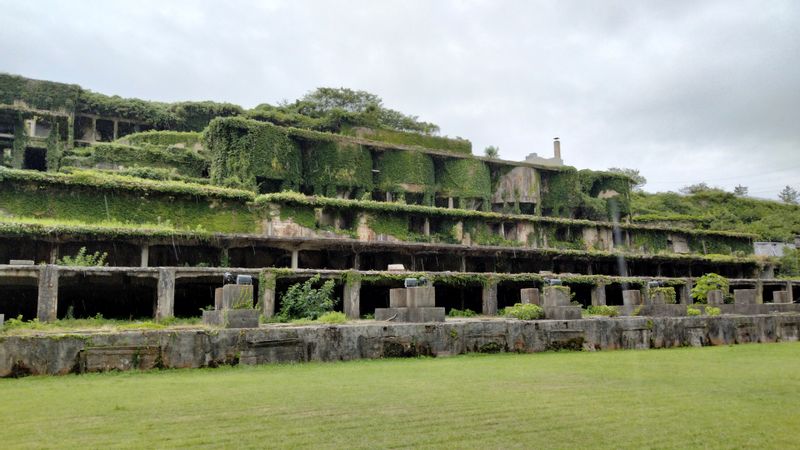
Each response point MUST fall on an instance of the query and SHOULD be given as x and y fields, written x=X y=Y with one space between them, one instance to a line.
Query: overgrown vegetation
x=82 y=258
x=602 y=310
x=715 y=209
x=523 y=311
x=667 y=293
x=461 y=313
x=305 y=301
x=709 y=282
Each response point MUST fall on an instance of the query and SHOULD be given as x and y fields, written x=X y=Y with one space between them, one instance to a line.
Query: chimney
x=556 y=148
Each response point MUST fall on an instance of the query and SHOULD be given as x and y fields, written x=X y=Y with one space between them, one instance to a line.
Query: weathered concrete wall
x=86 y=352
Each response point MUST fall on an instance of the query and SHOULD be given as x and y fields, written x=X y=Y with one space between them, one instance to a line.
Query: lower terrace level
x=256 y=252
x=50 y=292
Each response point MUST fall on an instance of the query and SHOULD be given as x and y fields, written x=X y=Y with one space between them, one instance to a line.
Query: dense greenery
x=195 y=116
x=183 y=161
x=331 y=165
x=586 y=194
x=455 y=145
x=401 y=171
x=718 y=210
x=524 y=311
x=666 y=292
x=246 y=152
x=465 y=178
x=790 y=263
x=82 y=258
x=187 y=139
x=38 y=94
x=305 y=301
x=709 y=282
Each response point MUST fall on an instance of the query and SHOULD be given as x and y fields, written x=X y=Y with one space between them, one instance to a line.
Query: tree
x=638 y=180
x=740 y=191
x=788 y=195
x=695 y=188
x=491 y=152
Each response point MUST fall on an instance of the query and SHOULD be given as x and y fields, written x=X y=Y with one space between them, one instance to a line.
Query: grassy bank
x=742 y=396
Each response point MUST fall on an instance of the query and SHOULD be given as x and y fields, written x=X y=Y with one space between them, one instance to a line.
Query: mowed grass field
x=745 y=396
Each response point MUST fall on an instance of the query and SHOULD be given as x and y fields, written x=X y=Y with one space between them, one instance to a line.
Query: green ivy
x=333 y=164
x=38 y=94
x=243 y=150
x=465 y=178
x=185 y=161
x=399 y=170
x=456 y=145
x=163 y=138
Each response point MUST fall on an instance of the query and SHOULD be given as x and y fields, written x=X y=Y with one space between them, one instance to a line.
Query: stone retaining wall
x=93 y=352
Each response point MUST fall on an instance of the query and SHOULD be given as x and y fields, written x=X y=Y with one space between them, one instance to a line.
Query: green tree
x=708 y=282
x=638 y=180
x=788 y=195
x=740 y=191
x=492 y=152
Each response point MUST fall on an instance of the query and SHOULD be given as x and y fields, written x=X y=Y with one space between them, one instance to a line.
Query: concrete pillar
x=268 y=295
x=780 y=297
x=165 y=300
x=426 y=227
x=94 y=129
x=352 y=298
x=463 y=263
x=715 y=297
x=746 y=297
x=47 y=303
x=489 y=301
x=450 y=202
x=357 y=261
x=599 y=294
x=53 y=254
x=789 y=293
x=224 y=259
x=145 y=256
x=632 y=297
x=530 y=296
x=116 y=129
x=759 y=292
x=295 y=259
x=686 y=293
x=556 y=296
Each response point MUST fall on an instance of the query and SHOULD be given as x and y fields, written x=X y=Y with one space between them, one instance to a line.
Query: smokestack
x=556 y=148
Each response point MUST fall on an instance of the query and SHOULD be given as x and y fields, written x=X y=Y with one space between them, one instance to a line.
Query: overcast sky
x=684 y=91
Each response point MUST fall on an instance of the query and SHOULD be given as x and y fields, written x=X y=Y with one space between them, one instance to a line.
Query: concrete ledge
x=427 y=314
x=232 y=318
x=562 y=312
x=78 y=352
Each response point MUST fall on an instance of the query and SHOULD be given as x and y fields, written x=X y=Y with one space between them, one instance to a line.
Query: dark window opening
x=35 y=159
x=116 y=297
x=459 y=297
x=192 y=295
x=267 y=186
x=16 y=300
x=105 y=130
x=258 y=257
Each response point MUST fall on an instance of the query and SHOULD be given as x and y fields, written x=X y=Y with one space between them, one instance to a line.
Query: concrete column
x=54 y=254
x=789 y=293
x=599 y=294
x=116 y=130
x=295 y=259
x=223 y=257
x=489 y=301
x=145 y=256
x=450 y=202
x=463 y=263
x=94 y=129
x=268 y=295
x=426 y=227
x=165 y=306
x=589 y=270
x=47 y=303
x=686 y=293
x=357 y=261
x=352 y=298
x=759 y=292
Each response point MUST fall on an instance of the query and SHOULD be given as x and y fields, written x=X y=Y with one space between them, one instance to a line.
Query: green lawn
x=741 y=396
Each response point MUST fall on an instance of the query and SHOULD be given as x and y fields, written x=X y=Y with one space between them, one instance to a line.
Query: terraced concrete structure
x=178 y=194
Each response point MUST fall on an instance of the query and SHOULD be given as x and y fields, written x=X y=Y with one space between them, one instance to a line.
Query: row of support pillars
x=48 y=282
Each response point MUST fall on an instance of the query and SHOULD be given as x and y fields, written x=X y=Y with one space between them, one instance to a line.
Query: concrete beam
x=165 y=300
x=352 y=298
x=47 y=303
x=489 y=300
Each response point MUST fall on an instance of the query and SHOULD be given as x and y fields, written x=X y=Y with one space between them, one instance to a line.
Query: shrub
x=524 y=312
x=304 y=301
x=692 y=311
x=83 y=259
x=712 y=311
x=668 y=294
x=333 y=317
x=461 y=313
x=602 y=310
x=708 y=282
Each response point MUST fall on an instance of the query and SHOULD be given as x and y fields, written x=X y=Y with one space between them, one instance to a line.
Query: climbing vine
x=332 y=164
x=465 y=178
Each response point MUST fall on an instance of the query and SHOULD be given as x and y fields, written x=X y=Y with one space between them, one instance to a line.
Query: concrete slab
x=745 y=297
x=562 y=312
x=632 y=297
x=232 y=318
x=530 y=296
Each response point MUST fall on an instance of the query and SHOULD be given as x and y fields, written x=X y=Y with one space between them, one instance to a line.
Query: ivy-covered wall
x=187 y=139
x=244 y=151
x=401 y=171
x=585 y=194
x=184 y=161
x=456 y=145
x=330 y=165
x=465 y=178
x=38 y=94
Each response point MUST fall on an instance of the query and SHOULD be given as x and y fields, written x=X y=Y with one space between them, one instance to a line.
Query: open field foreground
x=738 y=396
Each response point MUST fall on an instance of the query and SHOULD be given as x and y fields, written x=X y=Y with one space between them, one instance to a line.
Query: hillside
x=718 y=210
